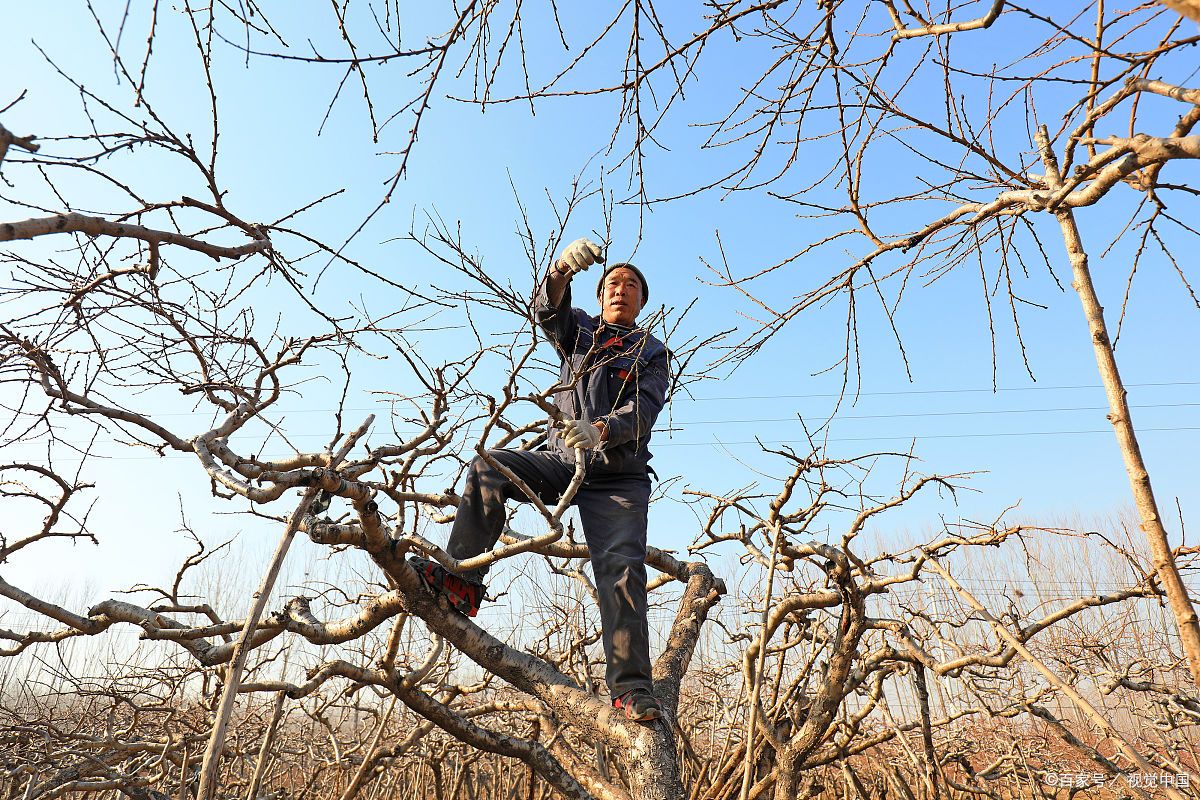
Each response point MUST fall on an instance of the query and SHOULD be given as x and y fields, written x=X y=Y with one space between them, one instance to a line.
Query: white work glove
x=578 y=256
x=580 y=433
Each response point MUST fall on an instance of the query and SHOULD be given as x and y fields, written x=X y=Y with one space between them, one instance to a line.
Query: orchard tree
x=115 y=316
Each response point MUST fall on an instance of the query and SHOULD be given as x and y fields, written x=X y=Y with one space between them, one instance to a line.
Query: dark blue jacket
x=618 y=375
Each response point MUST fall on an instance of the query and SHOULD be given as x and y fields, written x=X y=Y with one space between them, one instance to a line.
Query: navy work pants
x=613 y=511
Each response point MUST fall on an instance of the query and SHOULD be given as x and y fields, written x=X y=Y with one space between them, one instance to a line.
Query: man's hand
x=578 y=256
x=581 y=433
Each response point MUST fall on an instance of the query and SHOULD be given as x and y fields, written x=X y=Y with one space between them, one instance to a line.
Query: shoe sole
x=649 y=715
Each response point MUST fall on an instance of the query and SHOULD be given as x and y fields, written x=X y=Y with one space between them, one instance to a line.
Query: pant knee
x=483 y=476
x=620 y=559
x=480 y=466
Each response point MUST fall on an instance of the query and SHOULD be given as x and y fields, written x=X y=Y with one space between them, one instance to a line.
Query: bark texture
x=1122 y=421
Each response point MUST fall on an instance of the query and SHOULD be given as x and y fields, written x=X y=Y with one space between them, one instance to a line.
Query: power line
x=917 y=437
x=939 y=414
x=719 y=443
x=829 y=395
x=683 y=424
x=824 y=395
x=680 y=425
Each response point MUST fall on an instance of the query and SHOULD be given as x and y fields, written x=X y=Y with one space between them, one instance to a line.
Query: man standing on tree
x=614 y=377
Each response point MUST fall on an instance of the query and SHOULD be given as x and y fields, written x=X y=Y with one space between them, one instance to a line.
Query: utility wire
x=944 y=391
x=720 y=443
x=917 y=437
x=934 y=414
x=677 y=425
x=716 y=398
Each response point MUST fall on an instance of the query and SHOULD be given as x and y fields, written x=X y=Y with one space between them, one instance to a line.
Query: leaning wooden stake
x=237 y=663
x=1122 y=422
x=1058 y=683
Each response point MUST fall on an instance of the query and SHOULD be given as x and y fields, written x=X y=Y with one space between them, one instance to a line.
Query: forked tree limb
x=98 y=226
x=1122 y=421
x=8 y=139
x=929 y=29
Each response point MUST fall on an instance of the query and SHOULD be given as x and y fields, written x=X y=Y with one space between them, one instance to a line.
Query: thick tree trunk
x=795 y=784
x=1131 y=453
x=653 y=766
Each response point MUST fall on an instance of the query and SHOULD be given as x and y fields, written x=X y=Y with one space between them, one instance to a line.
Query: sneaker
x=639 y=705
x=465 y=596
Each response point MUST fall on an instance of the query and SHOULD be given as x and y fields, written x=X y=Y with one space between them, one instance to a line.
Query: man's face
x=621 y=297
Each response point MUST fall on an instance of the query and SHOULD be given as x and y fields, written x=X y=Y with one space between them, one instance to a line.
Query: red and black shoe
x=639 y=705
x=465 y=596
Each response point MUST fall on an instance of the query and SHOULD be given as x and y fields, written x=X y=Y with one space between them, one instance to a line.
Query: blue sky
x=1043 y=444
